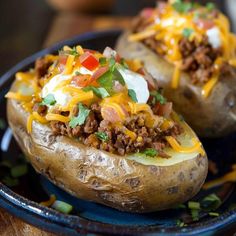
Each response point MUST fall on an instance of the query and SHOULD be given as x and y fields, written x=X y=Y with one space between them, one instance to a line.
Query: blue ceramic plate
x=91 y=218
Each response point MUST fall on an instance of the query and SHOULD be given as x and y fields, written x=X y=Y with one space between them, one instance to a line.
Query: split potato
x=127 y=183
x=214 y=116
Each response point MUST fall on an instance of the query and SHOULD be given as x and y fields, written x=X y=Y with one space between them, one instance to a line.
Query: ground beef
x=118 y=141
x=41 y=67
x=198 y=59
x=40 y=109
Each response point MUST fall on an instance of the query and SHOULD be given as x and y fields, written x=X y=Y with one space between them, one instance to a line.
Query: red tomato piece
x=62 y=62
x=89 y=61
x=205 y=24
x=81 y=80
x=98 y=73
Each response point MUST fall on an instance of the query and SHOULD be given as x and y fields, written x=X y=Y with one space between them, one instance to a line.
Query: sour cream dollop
x=213 y=35
x=136 y=82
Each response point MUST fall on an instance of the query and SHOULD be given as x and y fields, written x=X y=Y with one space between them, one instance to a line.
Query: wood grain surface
x=72 y=25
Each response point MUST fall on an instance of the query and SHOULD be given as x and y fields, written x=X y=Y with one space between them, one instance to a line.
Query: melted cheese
x=229 y=177
x=175 y=145
x=175 y=79
x=57 y=117
x=207 y=88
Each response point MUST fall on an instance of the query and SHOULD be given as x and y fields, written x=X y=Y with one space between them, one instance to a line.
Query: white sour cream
x=61 y=97
x=137 y=83
x=214 y=37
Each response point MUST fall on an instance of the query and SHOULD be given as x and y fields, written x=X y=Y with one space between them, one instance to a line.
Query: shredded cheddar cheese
x=175 y=145
x=49 y=202
x=207 y=88
x=229 y=177
x=175 y=79
x=29 y=123
x=69 y=64
x=168 y=26
x=57 y=117
x=39 y=118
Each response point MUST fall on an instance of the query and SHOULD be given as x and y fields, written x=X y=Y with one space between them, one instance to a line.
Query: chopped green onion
x=49 y=100
x=80 y=119
x=195 y=214
x=106 y=80
x=73 y=52
x=194 y=205
x=215 y=214
x=211 y=202
x=133 y=95
x=102 y=61
x=18 y=171
x=187 y=32
x=100 y=92
x=62 y=207
x=102 y=136
x=112 y=63
x=150 y=152
x=158 y=98
x=210 y=6
x=117 y=76
x=180 y=223
x=182 y=7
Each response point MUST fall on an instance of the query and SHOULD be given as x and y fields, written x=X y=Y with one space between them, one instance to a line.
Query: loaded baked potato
x=103 y=133
x=190 y=51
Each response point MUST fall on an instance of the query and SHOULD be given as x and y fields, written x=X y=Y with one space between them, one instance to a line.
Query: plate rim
x=76 y=222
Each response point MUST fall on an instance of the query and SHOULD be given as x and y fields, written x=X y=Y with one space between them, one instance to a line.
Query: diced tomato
x=98 y=73
x=163 y=110
x=110 y=114
x=62 y=62
x=89 y=61
x=81 y=80
x=147 y=12
x=205 y=24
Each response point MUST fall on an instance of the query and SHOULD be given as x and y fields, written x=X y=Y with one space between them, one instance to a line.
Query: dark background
x=24 y=24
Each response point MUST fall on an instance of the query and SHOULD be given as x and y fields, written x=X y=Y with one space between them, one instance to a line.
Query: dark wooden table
x=72 y=25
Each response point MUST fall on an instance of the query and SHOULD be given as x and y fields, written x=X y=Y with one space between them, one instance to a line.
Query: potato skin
x=211 y=117
x=101 y=177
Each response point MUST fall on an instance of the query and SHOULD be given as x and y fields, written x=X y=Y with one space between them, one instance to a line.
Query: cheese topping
x=75 y=82
x=173 y=21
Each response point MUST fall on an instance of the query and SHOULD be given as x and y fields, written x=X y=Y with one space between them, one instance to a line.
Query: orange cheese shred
x=207 y=88
x=175 y=78
x=57 y=117
x=230 y=177
x=29 y=123
x=69 y=64
x=175 y=145
x=39 y=118
x=49 y=202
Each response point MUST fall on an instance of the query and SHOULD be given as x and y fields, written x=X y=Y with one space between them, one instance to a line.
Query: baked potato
x=191 y=52
x=108 y=145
